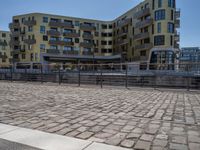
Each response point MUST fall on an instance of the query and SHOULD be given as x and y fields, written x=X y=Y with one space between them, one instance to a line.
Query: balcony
x=141 y=36
x=142 y=13
x=177 y=23
x=177 y=37
x=87 y=27
x=145 y=46
x=53 y=33
x=3 y=43
x=17 y=33
x=71 y=35
x=53 y=51
x=59 y=42
x=87 y=36
x=60 y=24
x=87 y=53
x=14 y=42
x=122 y=33
x=86 y=45
x=122 y=42
x=144 y=23
x=14 y=25
x=125 y=22
x=30 y=22
x=72 y=52
x=30 y=41
x=177 y=14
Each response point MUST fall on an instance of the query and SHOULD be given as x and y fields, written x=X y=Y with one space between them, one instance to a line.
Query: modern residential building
x=189 y=58
x=146 y=33
x=5 y=50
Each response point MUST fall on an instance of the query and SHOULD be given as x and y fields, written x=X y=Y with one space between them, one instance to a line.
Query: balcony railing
x=144 y=46
x=30 y=22
x=60 y=42
x=141 y=36
x=87 y=36
x=53 y=33
x=61 y=24
x=142 y=13
x=71 y=35
x=122 y=33
x=177 y=23
x=86 y=45
x=125 y=22
x=53 y=51
x=3 y=43
x=87 y=53
x=87 y=27
x=14 y=25
x=122 y=42
x=71 y=52
x=30 y=41
x=177 y=37
x=177 y=14
x=144 y=23
x=14 y=42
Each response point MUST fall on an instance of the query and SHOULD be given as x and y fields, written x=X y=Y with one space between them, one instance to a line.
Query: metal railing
x=124 y=74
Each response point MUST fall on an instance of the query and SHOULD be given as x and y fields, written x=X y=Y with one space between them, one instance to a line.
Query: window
x=67 y=39
x=159 y=27
x=110 y=26
x=45 y=38
x=172 y=15
x=153 y=4
x=152 y=29
x=77 y=23
x=159 y=3
x=67 y=48
x=171 y=3
x=3 y=47
x=110 y=42
x=104 y=26
x=171 y=40
x=53 y=47
x=3 y=35
x=103 y=42
x=170 y=27
x=23 y=56
x=42 y=46
x=30 y=28
x=160 y=14
x=67 y=31
x=159 y=40
x=142 y=53
x=23 y=19
x=42 y=29
x=45 y=19
x=76 y=40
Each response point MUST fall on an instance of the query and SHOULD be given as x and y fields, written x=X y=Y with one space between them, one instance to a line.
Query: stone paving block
x=174 y=146
x=194 y=146
x=179 y=139
x=147 y=137
x=85 y=135
x=127 y=143
x=142 y=145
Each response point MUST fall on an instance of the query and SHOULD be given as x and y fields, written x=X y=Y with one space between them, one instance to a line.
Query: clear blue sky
x=102 y=10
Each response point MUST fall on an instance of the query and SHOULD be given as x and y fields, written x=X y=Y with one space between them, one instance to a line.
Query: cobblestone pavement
x=135 y=118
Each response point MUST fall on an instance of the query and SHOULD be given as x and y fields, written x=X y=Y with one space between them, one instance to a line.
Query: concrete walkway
x=47 y=141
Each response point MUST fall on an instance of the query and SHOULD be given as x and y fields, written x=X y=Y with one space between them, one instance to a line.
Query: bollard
x=11 y=74
x=59 y=76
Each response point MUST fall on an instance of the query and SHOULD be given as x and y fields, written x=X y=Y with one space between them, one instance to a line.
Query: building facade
x=146 y=33
x=5 y=50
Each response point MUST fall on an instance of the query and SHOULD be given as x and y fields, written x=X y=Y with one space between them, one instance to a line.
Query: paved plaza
x=131 y=118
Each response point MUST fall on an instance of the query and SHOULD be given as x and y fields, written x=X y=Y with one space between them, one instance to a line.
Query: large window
x=170 y=27
x=67 y=48
x=42 y=29
x=171 y=3
x=159 y=40
x=159 y=27
x=160 y=14
x=45 y=19
x=159 y=3
x=42 y=46
x=67 y=39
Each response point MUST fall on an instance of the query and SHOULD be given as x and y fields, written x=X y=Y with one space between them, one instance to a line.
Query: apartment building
x=5 y=50
x=146 y=33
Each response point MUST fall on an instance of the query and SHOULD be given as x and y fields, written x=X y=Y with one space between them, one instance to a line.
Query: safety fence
x=127 y=74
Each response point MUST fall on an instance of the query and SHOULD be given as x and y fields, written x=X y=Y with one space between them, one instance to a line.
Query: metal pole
x=59 y=76
x=126 y=76
x=188 y=78
x=79 y=75
x=11 y=73
x=41 y=71
x=26 y=74
x=101 y=77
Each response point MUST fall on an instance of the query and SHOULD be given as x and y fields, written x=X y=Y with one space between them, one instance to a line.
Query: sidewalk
x=16 y=138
